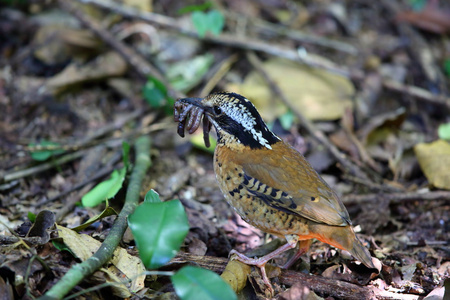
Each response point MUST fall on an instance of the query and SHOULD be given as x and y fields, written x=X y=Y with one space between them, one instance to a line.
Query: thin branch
x=397 y=197
x=218 y=74
x=303 y=37
x=42 y=167
x=417 y=92
x=79 y=271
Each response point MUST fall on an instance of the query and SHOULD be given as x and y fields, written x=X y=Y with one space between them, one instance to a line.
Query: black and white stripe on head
x=235 y=115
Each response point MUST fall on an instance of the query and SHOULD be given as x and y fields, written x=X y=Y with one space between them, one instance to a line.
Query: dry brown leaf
x=235 y=274
x=434 y=160
x=83 y=246
x=318 y=94
x=105 y=66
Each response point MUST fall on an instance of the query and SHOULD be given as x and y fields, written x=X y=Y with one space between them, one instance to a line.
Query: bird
x=271 y=185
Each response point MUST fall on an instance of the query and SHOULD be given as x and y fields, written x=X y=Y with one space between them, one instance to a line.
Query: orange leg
x=303 y=247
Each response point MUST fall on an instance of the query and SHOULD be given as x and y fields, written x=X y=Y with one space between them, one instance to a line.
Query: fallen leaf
x=235 y=274
x=318 y=94
x=84 y=246
x=434 y=159
x=105 y=66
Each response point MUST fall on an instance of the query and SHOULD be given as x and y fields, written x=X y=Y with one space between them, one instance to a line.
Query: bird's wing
x=291 y=184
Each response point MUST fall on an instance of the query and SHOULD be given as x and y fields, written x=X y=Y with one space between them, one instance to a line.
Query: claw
x=261 y=262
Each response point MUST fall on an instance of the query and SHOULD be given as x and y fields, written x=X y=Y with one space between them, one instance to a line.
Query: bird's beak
x=194 y=101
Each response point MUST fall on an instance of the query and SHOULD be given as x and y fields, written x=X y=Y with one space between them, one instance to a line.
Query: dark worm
x=189 y=117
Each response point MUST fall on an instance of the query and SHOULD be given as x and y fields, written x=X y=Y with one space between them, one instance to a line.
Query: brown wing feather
x=293 y=175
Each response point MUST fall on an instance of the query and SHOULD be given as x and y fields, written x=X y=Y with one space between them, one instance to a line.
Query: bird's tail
x=343 y=237
x=361 y=253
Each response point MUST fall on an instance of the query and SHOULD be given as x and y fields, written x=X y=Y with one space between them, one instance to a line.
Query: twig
x=43 y=167
x=397 y=197
x=417 y=92
x=221 y=71
x=303 y=37
x=252 y=44
x=11 y=239
x=78 y=272
x=133 y=58
x=372 y=185
x=308 y=125
x=332 y=287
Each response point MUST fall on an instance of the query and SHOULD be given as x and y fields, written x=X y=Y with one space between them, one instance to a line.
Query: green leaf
x=126 y=154
x=216 y=21
x=152 y=197
x=45 y=154
x=154 y=92
x=286 y=120
x=192 y=283
x=184 y=75
x=200 y=23
x=418 y=5
x=108 y=211
x=444 y=131
x=159 y=230
x=447 y=67
x=212 y=21
x=190 y=8
x=31 y=217
x=59 y=244
x=105 y=190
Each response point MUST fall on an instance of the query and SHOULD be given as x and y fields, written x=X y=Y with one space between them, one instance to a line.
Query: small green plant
x=31 y=217
x=444 y=131
x=155 y=94
x=192 y=283
x=196 y=7
x=42 y=155
x=159 y=229
x=287 y=119
x=212 y=21
x=447 y=67
x=418 y=5
x=109 y=188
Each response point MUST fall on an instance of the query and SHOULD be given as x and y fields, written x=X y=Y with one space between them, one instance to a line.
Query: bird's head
x=236 y=120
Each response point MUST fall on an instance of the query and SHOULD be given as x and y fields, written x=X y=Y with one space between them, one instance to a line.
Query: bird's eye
x=217 y=110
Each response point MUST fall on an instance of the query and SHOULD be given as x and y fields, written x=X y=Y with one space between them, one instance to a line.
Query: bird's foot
x=258 y=262
x=261 y=262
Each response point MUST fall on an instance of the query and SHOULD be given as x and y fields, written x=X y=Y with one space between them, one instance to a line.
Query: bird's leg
x=303 y=247
x=292 y=241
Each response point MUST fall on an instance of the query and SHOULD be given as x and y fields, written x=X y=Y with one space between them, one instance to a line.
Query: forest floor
x=361 y=88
